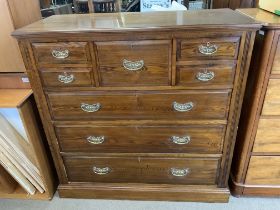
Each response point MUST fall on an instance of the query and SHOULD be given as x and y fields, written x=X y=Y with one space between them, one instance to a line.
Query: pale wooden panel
x=276 y=63
x=268 y=136
x=11 y=60
x=24 y=12
x=11 y=98
x=263 y=170
x=272 y=99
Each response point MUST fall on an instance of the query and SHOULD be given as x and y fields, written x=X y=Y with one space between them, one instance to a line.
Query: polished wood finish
x=153 y=138
x=11 y=98
x=78 y=53
x=13 y=15
x=227 y=48
x=163 y=192
x=81 y=77
x=263 y=170
x=223 y=74
x=156 y=55
x=136 y=111
x=271 y=104
x=142 y=170
x=140 y=105
x=268 y=136
x=257 y=153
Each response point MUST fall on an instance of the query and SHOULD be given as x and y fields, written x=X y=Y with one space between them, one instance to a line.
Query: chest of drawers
x=256 y=165
x=141 y=106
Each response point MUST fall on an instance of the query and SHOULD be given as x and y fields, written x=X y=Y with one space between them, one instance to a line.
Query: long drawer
x=141 y=139
x=140 y=105
x=142 y=170
x=263 y=170
x=268 y=136
x=271 y=104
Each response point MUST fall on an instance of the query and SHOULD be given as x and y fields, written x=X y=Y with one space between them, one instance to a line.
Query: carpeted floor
x=81 y=204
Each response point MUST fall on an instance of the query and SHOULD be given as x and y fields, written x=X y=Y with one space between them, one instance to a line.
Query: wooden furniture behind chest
x=14 y=14
x=141 y=106
x=256 y=165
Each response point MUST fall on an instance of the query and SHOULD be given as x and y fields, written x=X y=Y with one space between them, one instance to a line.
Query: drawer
x=141 y=139
x=276 y=62
x=59 y=53
x=66 y=77
x=208 y=48
x=134 y=63
x=263 y=170
x=268 y=136
x=271 y=104
x=140 y=105
x=142 y=170
x=207 y=74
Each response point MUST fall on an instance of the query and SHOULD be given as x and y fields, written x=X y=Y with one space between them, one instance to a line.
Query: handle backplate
x=60 y=54
x=133 y=65
x=205 y=76
x=90 y=107
x=208 y=49
x=186 y=107
x=181 y=140
x=66 y=78
x=179 y=172
x=101 y=171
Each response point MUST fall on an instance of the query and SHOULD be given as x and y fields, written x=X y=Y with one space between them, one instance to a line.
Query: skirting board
x=163 y=192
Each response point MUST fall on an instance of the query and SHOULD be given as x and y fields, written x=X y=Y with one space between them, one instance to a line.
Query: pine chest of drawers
x=141 y=105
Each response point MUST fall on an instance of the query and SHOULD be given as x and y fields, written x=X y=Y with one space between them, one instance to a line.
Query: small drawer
x=268 y=136
x=263 y=170
x=271 y=104
x=200 y=75
x=142 y=170
x=134 y=63
x=141 y=139
x=66 y=77
x=208 y=48
x=140 y=105
x=61 y=53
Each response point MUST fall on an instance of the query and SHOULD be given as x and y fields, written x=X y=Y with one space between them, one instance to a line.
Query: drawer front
x=140 y=105
x=206 y=75
x=141 y=139
x=276 y=62
x=264 y=170
x=134 y=63
x=142 y=170
x=66 y=77
x=268 y=136
x=48 y=54
x=208 y=48
x=272 y=99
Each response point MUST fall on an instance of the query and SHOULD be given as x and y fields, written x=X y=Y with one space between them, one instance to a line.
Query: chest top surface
x=268 y=19
x=138 y=22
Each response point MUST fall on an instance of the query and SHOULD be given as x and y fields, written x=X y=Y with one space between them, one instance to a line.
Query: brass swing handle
x=208 y=49
x=133 y=65
x=60 y=54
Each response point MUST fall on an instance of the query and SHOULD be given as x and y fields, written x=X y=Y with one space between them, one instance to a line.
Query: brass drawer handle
x=90 y=107
x=65 y=78
x=205 y=76
x=96 y=139
x=60 y=54
x=101 y=171
x=208 y=49
x=180 y=172
x=186 y=107
x=181 y=140
x=133 y=65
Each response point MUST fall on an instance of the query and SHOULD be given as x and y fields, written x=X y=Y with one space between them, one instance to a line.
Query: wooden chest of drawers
x=144 y=106
x=256 y=165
